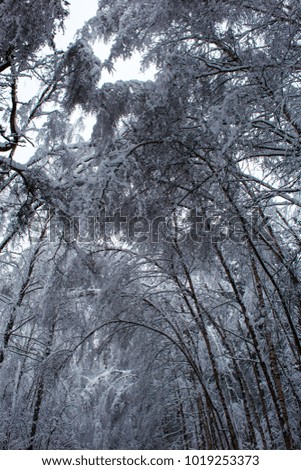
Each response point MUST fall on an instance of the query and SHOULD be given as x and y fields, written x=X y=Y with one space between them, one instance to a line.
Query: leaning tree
x=151 y=273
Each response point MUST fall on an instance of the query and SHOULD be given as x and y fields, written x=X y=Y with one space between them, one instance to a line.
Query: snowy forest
x=150 y=265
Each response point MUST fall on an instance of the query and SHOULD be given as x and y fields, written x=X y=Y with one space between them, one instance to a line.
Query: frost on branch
x=83 y=74
x=25 y=26
x=150 y=276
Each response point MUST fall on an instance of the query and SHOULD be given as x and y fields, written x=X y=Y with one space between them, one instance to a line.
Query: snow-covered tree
x=151 y=274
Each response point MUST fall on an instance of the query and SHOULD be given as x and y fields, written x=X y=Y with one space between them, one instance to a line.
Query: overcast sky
x=80 y=12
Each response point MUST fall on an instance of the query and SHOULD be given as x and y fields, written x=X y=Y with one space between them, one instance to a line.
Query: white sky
x=80 y=12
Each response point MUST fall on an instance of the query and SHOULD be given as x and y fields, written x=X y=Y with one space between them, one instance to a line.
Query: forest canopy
x=150 y=273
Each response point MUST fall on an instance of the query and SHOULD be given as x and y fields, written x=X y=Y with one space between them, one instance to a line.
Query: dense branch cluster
x=150 y=293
